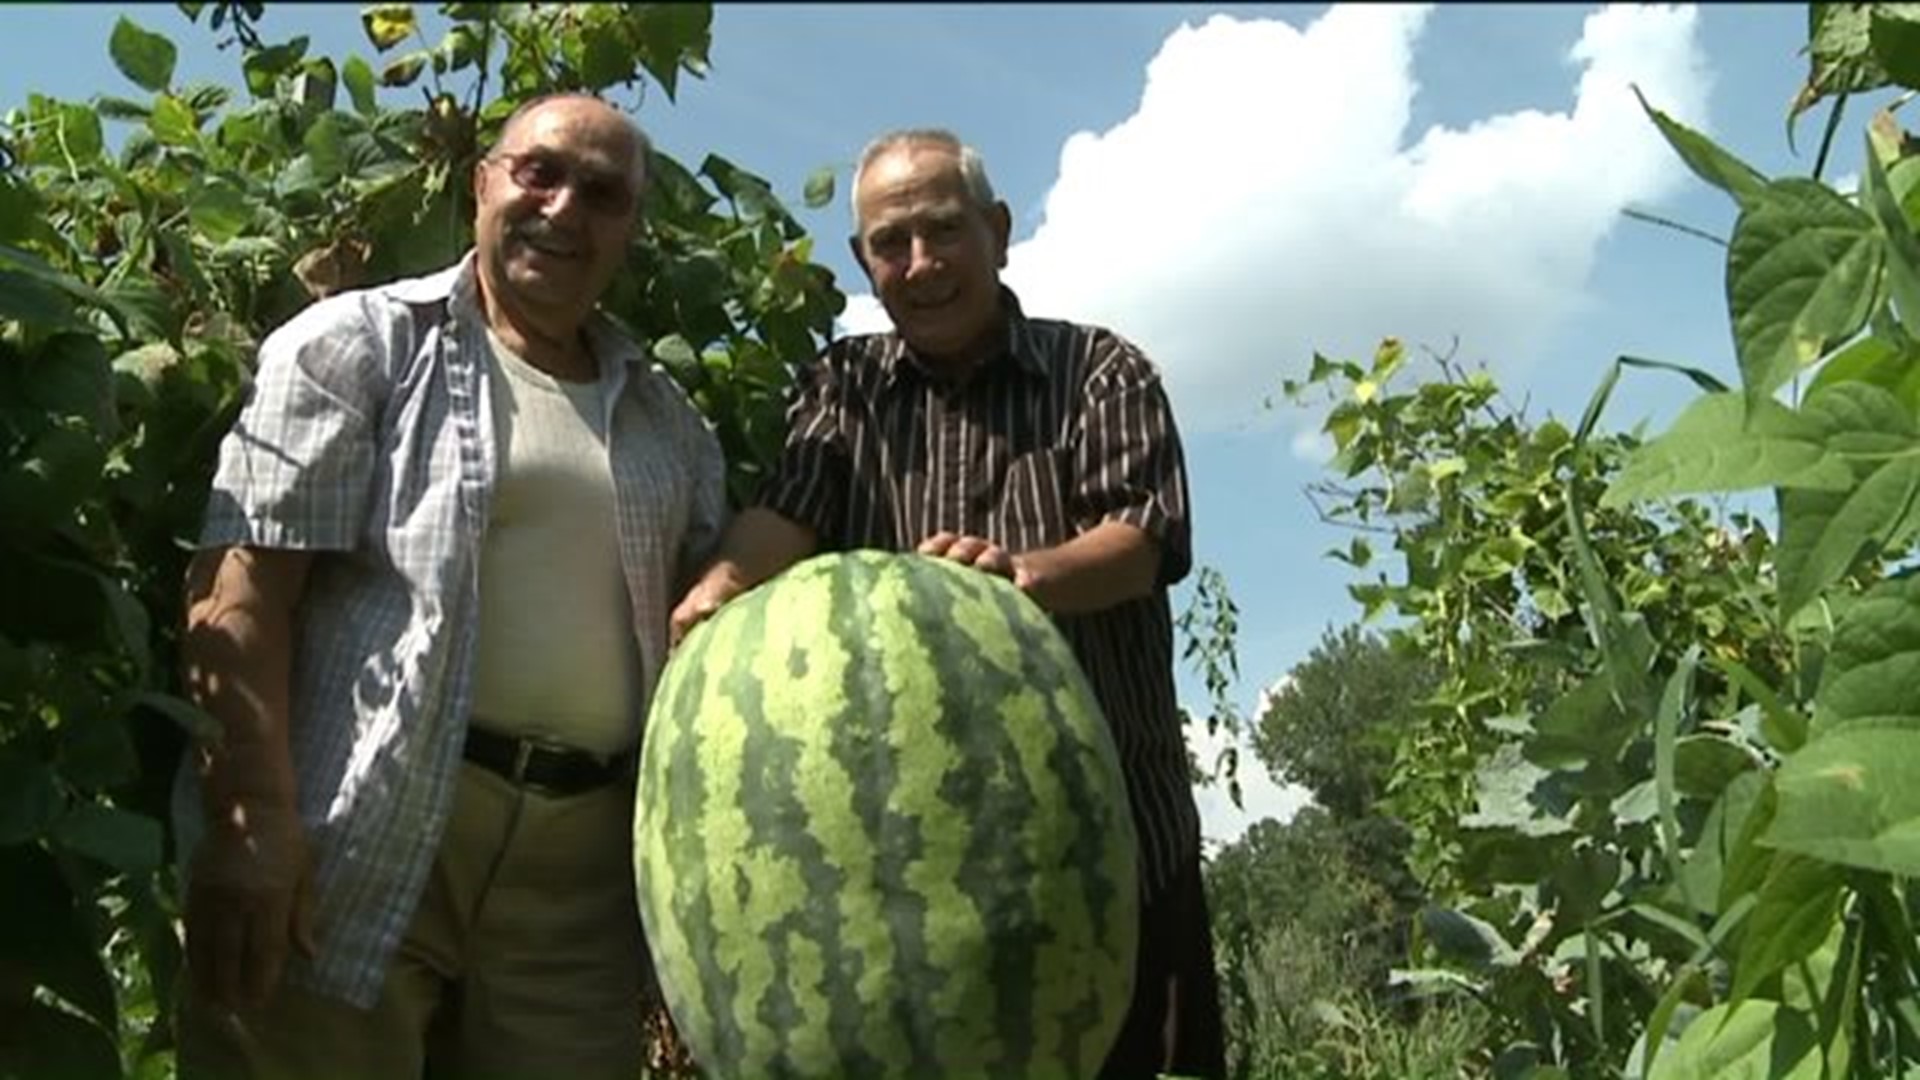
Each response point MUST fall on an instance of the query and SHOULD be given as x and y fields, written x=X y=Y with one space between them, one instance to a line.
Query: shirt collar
x=896 y=361
x=458 y=287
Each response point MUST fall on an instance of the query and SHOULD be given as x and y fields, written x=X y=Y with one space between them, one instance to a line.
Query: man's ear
x=860 y=256
x=1000 y=219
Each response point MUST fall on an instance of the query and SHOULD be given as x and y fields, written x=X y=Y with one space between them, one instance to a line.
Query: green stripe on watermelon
x=903 y=856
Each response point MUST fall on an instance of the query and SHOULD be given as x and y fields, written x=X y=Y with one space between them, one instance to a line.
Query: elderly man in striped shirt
x=439 y=556
x=1040 y=450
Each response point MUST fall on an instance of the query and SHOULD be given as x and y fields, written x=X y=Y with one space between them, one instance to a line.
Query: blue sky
x=1234 y=187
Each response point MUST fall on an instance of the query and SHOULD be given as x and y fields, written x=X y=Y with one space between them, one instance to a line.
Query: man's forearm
x=237 y=651
x=1105 y=566
x=760 y=543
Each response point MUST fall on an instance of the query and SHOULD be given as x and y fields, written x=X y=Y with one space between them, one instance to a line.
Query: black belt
x=544 y=767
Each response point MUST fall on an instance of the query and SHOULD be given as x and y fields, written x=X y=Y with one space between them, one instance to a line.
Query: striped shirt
x=1067 y=429
x=367 y=436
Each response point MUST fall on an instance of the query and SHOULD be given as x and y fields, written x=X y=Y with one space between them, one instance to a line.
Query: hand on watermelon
x=979 y=553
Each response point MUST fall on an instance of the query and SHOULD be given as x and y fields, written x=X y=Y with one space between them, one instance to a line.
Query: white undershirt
x=557 y=655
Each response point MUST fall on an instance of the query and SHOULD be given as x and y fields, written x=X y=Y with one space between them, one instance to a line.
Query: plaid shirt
x=368 y=435
x=1066 y=429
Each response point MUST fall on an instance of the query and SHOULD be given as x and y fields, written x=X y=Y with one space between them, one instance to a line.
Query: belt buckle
x=522 y=756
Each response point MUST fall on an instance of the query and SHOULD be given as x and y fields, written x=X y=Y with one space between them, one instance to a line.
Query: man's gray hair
x=642 y=145
x=973 y=167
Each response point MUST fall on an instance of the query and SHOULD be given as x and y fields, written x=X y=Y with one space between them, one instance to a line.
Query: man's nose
x=923 y=260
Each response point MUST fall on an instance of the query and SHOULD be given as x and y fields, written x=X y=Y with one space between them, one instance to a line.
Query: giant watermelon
x=881 y=831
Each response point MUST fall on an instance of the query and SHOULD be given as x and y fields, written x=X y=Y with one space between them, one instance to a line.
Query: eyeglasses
x=543 y=175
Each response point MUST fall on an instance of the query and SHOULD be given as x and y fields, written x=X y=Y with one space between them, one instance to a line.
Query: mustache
x=538 y=230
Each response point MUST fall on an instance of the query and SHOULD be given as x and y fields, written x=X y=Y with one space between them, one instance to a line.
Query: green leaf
x=358 y=75
x=71 y=376
x=78 y=134
x=1894 y=36
x=130 y=843
x=145 y=57
x=172 y=122
x=1822 y=533
x=325 y=145
x=1756 y=1039
x=1785 y=728
x=1580 y=727
x=1803 y=273
x=30 y=799
x=387 y=25
x=1799 y=904
x=1729 y=442
x=1853 y=797
x=402 y=71
x=1902 y=247
x=819 y=189
x=1878 y=361
x=50 y=1041
x=605 y=61
x=44 y=935
x=195 y=721
x=1873 y=662
x=219 y=211
x=672 y=37
x=264 y=67
x=32 y=300
x=1705 y=157
x=1465 y=939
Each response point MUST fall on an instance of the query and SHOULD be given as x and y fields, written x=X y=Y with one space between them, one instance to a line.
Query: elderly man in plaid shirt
x=430 y=606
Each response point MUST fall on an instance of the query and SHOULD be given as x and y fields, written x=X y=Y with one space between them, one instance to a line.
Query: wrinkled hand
x=707 y=596
x=249 y=898
x=979 y=553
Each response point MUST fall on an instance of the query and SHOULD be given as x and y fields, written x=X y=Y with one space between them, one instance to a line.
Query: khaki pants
x=524 y=959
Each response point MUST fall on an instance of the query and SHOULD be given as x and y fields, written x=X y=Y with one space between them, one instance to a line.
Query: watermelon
x=881 y=831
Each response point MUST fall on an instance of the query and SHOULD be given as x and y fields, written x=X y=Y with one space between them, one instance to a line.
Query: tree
x=1690 y=739
x=134 y=283
x=1330 y=725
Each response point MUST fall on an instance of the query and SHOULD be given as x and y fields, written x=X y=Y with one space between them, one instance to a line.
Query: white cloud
x=1267 y=199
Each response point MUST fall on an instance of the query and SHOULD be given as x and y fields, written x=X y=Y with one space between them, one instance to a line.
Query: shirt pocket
x=1033 y=508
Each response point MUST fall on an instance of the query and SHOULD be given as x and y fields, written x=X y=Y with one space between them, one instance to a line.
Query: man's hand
x=721 y=583
x=979 y=553
x=249 y=898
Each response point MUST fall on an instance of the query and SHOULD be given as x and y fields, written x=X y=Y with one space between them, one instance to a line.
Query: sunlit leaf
x=387 y=25
x=819 y=187
x=1803 y=273
x=1823 y=532
x=358 y=75
x=1873 y=663
x=1799 y=903
x=1902 y=246
x=219 y=211
x=1755 y=1039
x=1705 y=157
x=1727 y=442
x=172 y=122
x=402 y=71
x=145 y=57
x=1853 y=797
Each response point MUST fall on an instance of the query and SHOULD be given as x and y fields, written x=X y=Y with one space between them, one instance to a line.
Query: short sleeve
x=297 y=468
x=1129 y=466
x=808 y=482
x=708 y=516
